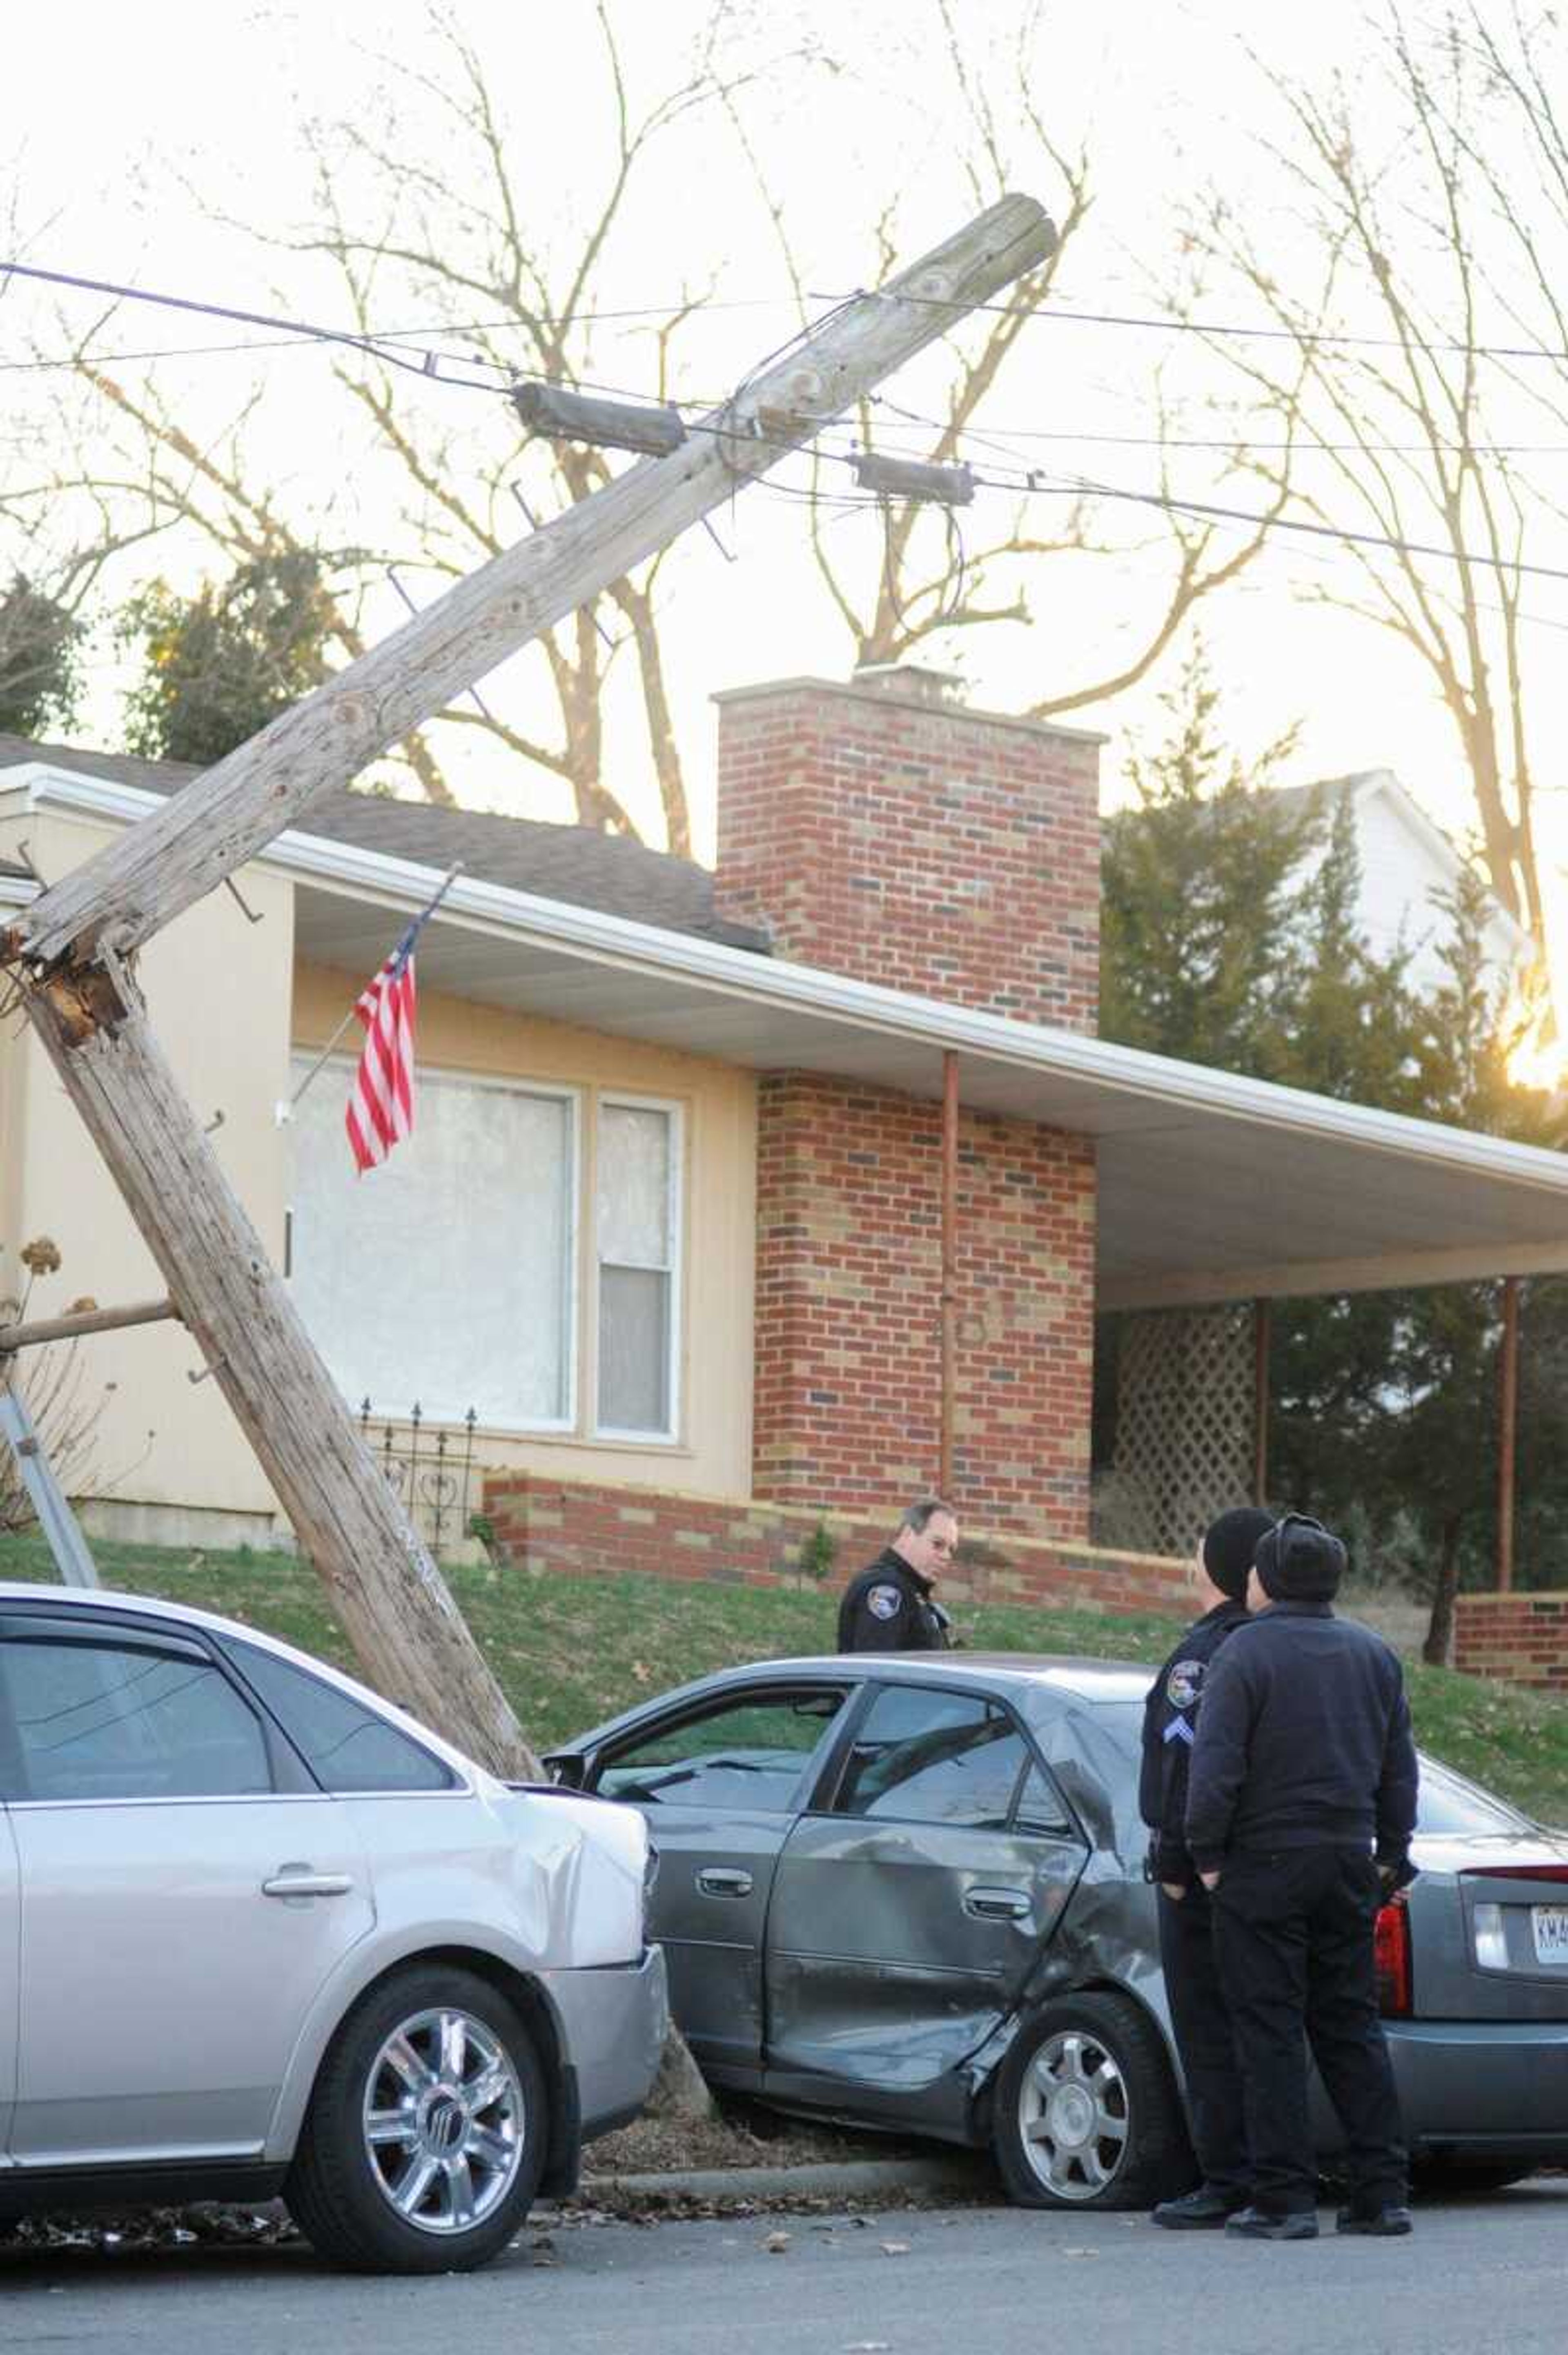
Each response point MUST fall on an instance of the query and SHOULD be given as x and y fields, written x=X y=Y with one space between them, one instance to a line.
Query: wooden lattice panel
x=1184 y=1424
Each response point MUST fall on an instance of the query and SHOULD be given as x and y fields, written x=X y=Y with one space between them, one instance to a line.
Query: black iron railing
x=431 y=1471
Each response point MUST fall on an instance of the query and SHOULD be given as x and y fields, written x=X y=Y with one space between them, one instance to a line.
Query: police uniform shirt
x=888 y=1609
x=1170 y=1728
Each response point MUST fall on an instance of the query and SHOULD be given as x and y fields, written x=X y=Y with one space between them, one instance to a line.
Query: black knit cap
x=1229 y=1545
x=1301 y=1561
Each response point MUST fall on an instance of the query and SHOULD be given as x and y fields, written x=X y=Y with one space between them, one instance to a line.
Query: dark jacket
x=1170 y=1724
x=1304 y=1741
x=888 y=1609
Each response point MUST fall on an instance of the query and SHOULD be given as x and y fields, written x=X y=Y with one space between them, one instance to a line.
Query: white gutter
x=1128 y=1072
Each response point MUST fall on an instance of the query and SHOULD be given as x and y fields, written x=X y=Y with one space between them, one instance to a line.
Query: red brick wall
x=917 y=845
x=579 y=1529
x=1522 y=1639
x=847 y=1399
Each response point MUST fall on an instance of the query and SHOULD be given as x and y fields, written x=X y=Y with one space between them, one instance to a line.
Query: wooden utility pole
x=1507 y=1430
x=73 y=947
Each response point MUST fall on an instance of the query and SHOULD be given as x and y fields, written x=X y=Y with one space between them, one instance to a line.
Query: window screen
x=103 y=1720
x=446 y=1274
x=637 y=1218
x=935 y=1758
x=346 y=1745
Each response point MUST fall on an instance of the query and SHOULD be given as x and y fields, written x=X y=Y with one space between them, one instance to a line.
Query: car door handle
x=299 y=1880
x=996 y=1904
x=723 y=1880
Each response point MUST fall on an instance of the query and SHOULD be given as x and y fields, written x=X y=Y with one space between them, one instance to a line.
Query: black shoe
x=1203 y=2211
x=1380 y=2224
x=1260 y=2224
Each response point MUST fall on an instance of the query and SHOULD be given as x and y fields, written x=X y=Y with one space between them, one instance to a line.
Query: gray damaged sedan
x=908 y=1892
x=261 y=1933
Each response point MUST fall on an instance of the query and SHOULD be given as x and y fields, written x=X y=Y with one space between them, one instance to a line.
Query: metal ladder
x=58 y=1522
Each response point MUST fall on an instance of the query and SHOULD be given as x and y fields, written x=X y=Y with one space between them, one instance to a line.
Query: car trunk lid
x=1488 y=1928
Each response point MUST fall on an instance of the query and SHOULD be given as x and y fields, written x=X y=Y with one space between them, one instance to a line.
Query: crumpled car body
x=879 y=1873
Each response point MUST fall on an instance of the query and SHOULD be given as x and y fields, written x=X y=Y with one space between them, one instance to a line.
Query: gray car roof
x=1091 y=1680
x=1042 y=1677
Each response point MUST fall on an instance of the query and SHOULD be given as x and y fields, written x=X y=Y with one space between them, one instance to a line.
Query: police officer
x=1198 y=2013
x=1300 y=1807
x=889 y=1608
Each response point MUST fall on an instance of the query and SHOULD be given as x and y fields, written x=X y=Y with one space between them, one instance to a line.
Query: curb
x=867 y=2179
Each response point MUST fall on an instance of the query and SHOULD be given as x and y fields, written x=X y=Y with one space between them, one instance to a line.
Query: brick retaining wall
x=1522 y=1639
x=584 y=1529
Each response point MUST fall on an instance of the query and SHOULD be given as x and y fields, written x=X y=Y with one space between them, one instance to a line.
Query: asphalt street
x=925 y=2282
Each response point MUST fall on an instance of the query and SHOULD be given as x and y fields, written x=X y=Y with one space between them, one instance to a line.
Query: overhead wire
x=1048 y=315
x=428 y=365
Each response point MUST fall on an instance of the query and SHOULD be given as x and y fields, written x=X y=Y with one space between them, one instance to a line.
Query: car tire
x=427 y=2128
x=1085 y=2112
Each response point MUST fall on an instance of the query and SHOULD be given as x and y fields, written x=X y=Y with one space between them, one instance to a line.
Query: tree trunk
x=1439 y=1642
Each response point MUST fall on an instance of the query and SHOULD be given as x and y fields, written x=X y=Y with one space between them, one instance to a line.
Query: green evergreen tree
x=40 y=660
x=216 y=667
x=1202 y=940
x=1231 y=938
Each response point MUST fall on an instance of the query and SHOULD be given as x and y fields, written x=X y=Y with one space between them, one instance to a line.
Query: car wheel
x=1087 y=2112
x=426 y=2132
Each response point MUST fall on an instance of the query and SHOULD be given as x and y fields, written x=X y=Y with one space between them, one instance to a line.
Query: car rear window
x=1450 y=1808
x=346 y=1745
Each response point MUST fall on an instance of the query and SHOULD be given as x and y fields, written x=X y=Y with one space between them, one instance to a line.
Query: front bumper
x=613 y=2026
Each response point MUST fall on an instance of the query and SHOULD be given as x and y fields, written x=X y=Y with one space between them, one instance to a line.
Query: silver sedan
x=262 y=1932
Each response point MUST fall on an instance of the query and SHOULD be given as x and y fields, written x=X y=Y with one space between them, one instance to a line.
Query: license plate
x=1551 y=1934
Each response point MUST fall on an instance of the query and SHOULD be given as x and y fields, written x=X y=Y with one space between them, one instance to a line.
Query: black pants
x=1294 y=1940
x=1201 y=2017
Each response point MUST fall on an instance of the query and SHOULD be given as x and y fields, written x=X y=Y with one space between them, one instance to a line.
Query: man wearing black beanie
x=1198 y=2012
x=1300 y=1807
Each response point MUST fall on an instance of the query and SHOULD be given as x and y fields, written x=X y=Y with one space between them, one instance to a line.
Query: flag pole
x=285 y=1109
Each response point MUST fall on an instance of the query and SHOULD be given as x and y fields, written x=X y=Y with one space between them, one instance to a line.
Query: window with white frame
x=450 y=1274
x=637 y=1164
x=447 y=1274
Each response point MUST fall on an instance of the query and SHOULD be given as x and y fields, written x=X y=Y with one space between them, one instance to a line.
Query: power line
x=296 y=331
x=1046 y=314
x=428 y=366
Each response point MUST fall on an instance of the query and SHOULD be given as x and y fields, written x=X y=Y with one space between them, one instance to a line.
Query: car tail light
x=1557 y=1872
x=1391 y=1958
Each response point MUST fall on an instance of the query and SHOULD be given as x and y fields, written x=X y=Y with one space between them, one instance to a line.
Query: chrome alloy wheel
x=444 y=2120
x=1073 y=2115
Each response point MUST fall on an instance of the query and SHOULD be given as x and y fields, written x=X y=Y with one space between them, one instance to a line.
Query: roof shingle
x=587 y=870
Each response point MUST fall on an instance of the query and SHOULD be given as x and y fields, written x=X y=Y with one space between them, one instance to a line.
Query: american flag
x=381 y=1103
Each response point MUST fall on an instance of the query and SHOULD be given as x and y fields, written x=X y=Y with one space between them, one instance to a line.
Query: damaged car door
x=719 y=1787
x=911 y=1906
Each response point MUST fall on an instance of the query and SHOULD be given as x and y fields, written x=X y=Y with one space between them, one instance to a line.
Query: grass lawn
x=569 y=1651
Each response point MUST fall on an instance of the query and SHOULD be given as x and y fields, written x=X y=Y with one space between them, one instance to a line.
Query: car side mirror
x=568 y=1769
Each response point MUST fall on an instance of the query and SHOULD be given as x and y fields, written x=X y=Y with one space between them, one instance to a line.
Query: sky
x=179 y=163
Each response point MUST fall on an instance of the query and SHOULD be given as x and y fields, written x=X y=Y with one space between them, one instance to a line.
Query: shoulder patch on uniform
x=885 y=1602
x=1181 y=1687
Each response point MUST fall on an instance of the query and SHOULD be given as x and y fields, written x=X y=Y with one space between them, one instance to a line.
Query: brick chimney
x=882 y=829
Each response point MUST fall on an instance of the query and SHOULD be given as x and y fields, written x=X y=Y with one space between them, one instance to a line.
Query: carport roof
x=1211 y=1187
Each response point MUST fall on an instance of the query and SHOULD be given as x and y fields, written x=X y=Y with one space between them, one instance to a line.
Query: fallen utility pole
x=219 y=821
x=71 y=949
